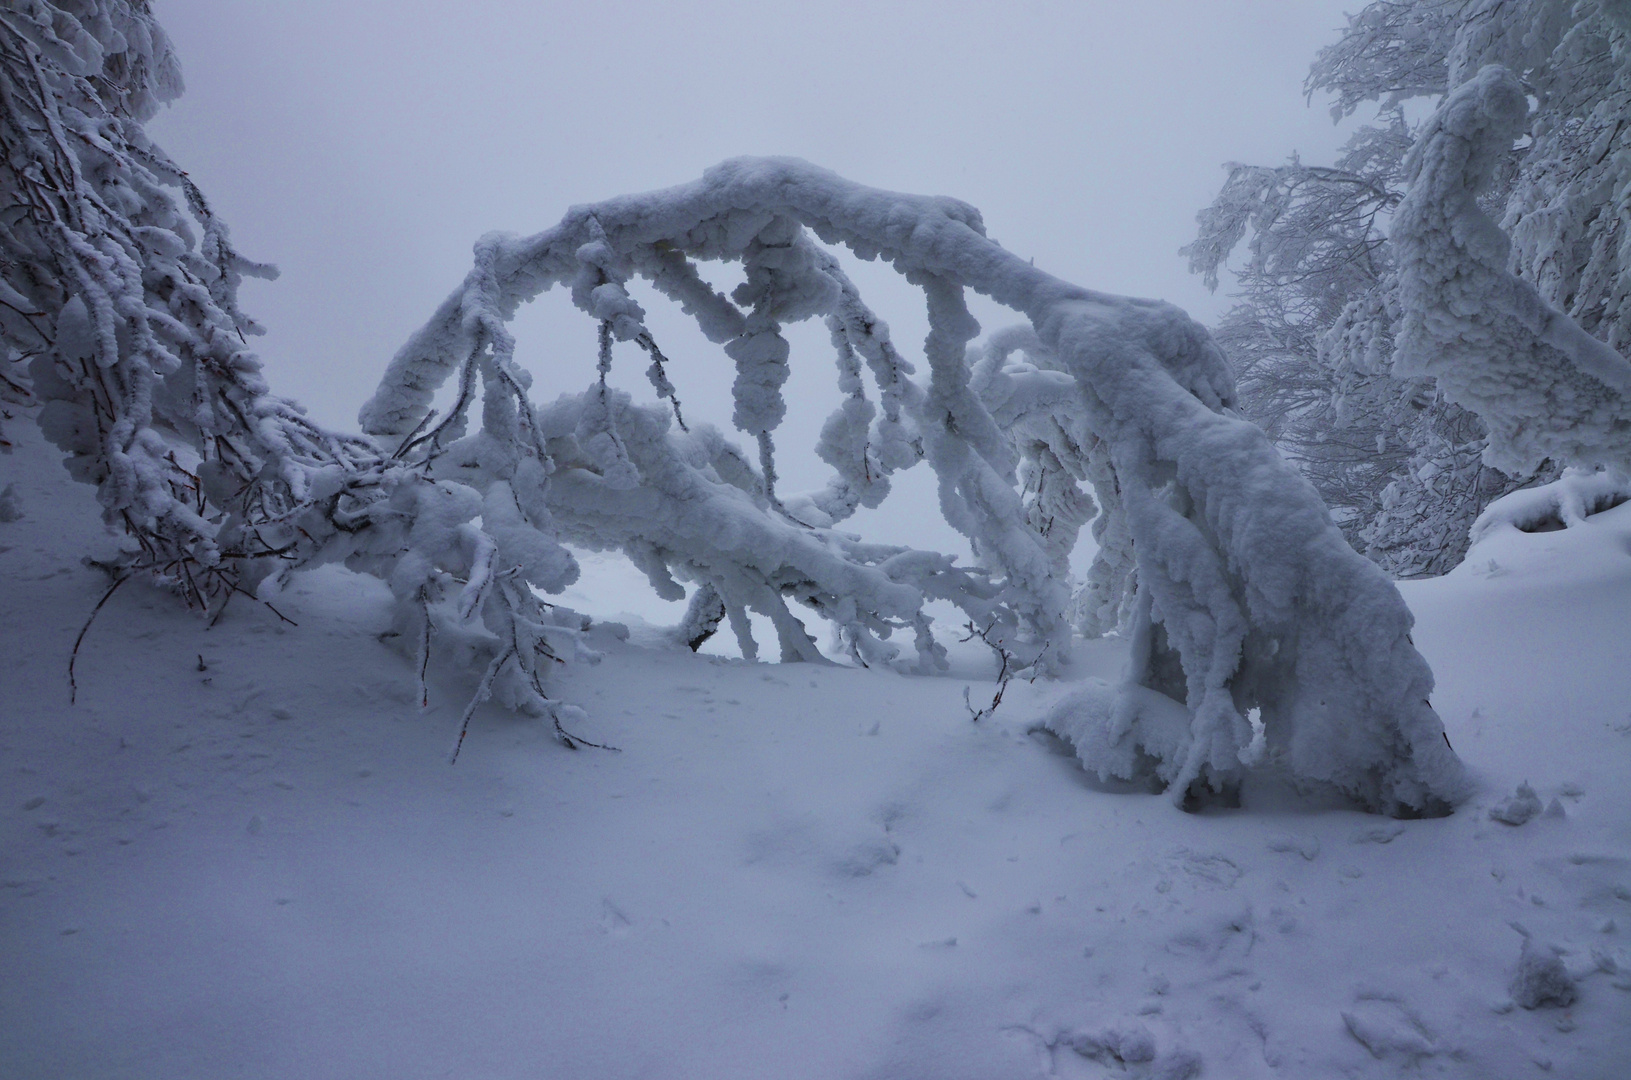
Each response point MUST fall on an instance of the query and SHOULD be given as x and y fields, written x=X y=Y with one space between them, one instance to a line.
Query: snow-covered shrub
x=118 y=291
x=1236 y=589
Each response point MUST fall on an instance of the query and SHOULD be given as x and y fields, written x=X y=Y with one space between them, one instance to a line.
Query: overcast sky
x=363 y=145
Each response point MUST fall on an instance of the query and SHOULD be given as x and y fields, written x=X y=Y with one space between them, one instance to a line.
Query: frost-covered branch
x=1221 y=563
x=1245 y=593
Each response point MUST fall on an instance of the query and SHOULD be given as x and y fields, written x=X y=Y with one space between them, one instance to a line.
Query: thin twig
x=240 y=589
x=73 y=657
x=220 y=611
x=574 y=741
x=424 y=651
x=484 y=690
x=408 y=439
x=1005 y=672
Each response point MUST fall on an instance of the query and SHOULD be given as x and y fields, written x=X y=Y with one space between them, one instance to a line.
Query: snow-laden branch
x=1562 y=504
x=1248 y=595
x=1236 y=589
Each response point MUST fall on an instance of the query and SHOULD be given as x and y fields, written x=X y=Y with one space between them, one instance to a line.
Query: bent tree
x=1217 y=559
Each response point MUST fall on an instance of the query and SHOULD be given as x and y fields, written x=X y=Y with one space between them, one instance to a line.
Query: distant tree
x=1403 y=456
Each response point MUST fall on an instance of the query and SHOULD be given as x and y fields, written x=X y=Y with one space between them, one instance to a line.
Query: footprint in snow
x=1378 y=834
x=864 y=858
x=1207 y=871
x=1131 y=1050
x=1306 y=846
x=1208 y=939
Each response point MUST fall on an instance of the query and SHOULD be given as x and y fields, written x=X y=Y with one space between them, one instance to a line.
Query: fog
x=363 y=145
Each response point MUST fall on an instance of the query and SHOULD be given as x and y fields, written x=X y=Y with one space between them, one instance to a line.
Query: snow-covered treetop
x=1514 y=246
x=1572 y=58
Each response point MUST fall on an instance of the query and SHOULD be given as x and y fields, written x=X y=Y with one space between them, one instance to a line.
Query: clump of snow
x=1518 y=807
x=1390 y=1030
x=1540 y=980
x=1121 y=732
x=1564 y=503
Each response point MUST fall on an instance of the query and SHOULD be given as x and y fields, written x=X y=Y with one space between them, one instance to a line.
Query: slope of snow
x=242 y=854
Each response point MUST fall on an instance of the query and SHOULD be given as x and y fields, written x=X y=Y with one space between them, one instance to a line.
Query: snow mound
x=1517 y=808
x=1540 y=980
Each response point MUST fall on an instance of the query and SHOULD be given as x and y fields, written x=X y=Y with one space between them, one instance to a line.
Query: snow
x=243 y=853
x=1490 y=339
x=1247 y=596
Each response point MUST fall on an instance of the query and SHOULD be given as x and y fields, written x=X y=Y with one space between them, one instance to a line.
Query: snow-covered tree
x=1547 y=389
x=1240 y=593
x=1401 y=454
x=1311 y=342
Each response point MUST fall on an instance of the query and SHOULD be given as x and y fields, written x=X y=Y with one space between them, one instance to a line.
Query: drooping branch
x=1226 y=535
x=1246 y=595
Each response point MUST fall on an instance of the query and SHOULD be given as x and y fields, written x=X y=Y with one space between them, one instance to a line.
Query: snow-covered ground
x=242 y=853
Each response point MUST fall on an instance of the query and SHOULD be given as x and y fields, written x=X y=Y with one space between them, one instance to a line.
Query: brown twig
x=484 y=690
x=573 y=742
x=1005 y=671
